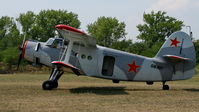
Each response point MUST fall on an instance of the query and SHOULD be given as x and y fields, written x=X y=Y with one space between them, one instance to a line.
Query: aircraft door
x=108 y=65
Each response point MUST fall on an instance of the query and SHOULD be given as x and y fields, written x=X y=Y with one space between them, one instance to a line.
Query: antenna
x=190 y=32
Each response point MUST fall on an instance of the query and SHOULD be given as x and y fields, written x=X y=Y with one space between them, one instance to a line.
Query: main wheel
x=47 y=85
x=165 y=87
x=55 y=84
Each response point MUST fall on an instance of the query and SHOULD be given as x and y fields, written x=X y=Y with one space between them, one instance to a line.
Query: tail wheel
x=115 y=81
x=165 y=87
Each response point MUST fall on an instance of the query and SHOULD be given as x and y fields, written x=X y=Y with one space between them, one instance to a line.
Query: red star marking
x=175 y=42
x=133 y=67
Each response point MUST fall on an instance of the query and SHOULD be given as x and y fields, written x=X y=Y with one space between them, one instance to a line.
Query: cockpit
x=55 y=42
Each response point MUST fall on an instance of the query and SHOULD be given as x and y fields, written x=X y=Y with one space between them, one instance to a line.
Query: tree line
x=108 y=31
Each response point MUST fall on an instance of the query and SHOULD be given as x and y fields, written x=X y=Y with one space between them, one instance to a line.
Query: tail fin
x=179 y=51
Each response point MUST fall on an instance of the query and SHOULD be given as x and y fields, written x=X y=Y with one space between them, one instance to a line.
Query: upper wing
x=74 y=34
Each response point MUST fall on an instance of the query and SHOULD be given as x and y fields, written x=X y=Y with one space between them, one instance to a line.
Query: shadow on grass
x=192 y=90
x=100 y=90
x=143 y=90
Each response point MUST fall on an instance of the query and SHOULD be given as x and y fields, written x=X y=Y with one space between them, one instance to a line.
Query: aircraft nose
x=22 y=49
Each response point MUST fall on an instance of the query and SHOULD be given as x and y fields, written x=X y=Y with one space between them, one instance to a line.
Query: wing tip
x=63 y=64
x=66 y=27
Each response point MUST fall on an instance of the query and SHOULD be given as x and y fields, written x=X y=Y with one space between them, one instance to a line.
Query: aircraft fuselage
x=113 y=64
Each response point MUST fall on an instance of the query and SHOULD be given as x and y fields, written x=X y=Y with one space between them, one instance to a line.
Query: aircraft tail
x=179 y=51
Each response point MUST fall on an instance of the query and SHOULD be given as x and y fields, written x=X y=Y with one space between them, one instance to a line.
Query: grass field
x=23 y=93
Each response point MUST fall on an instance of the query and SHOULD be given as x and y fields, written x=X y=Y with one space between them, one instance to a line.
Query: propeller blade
x=21 y=52
x=23 y=42
x=24 y=39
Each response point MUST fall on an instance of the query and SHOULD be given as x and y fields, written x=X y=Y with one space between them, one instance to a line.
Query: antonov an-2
x=78 y=51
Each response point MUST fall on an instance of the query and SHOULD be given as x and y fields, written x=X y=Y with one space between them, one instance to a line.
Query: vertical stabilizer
x=179 y=51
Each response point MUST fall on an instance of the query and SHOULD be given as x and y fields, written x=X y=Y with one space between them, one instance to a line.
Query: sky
x=128 y=11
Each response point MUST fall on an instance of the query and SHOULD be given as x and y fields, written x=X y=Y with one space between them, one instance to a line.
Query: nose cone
x=24 y=48
x=28 y=50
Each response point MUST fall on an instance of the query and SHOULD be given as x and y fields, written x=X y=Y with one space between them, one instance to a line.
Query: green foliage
x=151 y=52
x=9 y=35
x=10 y=55
x=107 y=30
x=5 y=25
x=157 y=26
x=123 y=45
x=196 y=44
x=35 y=26
x=27 y=20
x=137 y=48
x=42 y=25
x=9 y=40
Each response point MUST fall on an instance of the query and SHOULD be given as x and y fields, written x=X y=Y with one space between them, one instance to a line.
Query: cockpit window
x=57 y=44
x=54 y=43
x=49 y=42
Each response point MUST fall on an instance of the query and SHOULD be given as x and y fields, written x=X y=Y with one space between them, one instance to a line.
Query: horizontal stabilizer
x=176 y=58
x=65 y=65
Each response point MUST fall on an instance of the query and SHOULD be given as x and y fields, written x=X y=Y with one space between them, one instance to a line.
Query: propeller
x=21 y=52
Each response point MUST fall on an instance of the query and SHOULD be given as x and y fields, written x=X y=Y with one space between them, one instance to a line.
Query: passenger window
x=89 y=58
x=83 y=56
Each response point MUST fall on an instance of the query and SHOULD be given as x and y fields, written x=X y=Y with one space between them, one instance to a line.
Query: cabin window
x=89 y=58
x=108 y=65
x=83 y=56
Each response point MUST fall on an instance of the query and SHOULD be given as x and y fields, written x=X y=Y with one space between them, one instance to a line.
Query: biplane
x=77 y=51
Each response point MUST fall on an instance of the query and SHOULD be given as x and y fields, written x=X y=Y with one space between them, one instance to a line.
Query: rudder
x=179 y=50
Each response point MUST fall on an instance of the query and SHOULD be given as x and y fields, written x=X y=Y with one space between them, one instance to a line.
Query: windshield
x=55 y=42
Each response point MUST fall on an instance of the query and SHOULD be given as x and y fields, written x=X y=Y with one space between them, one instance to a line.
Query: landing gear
x=115 y=81
x=49 y=85
x=149 y=83
x=52 y=83
x=165 y=87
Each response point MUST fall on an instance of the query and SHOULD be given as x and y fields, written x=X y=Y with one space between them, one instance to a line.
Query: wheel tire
x=55 y=84
x=115 y=81
x=47 y=85
x=165 y=87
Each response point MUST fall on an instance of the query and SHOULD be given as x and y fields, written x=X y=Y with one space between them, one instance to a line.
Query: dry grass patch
x=23 y=93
